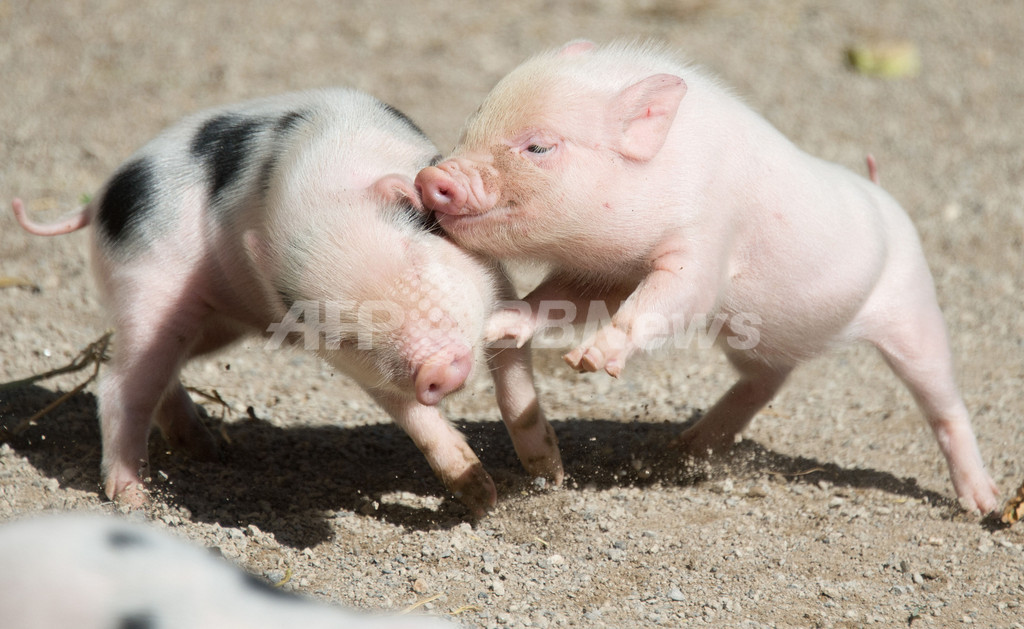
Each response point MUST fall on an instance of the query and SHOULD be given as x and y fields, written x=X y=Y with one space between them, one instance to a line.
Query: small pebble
x=498 y=587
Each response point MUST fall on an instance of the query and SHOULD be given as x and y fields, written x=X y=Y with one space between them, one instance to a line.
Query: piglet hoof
x=702 y=444
x=608 y=350
x=475 y=489
x=510 y=326
x=547 y=467
x=588 y=360
x=981 y=496
x=134 y=496
x=575 y=359
x=593 y=360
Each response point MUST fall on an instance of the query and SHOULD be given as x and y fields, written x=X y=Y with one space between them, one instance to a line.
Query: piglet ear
x=576 y=47
x=395 y=188
x=642 y=114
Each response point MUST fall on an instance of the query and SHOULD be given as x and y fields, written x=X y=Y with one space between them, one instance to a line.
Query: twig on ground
x=214 y=396
x=18 y=282
x=94 y=354
x=419 y=603
x=285 y=579
x=803 y=473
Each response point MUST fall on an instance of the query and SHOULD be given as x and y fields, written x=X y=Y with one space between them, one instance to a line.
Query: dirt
x=834 y=511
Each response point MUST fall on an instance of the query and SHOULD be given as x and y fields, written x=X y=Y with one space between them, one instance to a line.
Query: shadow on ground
x=291 y=481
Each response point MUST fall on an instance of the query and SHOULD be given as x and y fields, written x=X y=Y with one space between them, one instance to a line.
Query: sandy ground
x=835 y=510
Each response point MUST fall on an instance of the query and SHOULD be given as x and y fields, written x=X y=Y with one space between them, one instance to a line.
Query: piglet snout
x=439 y=191
x=442 y=373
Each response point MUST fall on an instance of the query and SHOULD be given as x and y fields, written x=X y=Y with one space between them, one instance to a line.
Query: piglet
x=655 y=193
x=91 y=572
x=294 y=216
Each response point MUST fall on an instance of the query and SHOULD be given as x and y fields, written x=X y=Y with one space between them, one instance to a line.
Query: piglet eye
x=538 y=149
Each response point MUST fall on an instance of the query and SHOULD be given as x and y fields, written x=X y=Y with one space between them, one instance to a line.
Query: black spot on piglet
x=405 y=119
x=284 y=126
x=129 y=198
x=136 y=620
x=223 y=143
x=290 y=121
x=124 y=538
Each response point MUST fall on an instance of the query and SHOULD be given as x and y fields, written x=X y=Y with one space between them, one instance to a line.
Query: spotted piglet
x=92 y=572
x=294 y=216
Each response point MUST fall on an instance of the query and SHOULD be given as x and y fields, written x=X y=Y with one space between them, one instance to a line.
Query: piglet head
x=440 y=303
x=559 y=138
x=365 y=284
x=414 y=316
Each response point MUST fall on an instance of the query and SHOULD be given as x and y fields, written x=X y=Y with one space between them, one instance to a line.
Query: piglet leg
x=716 y=431
x=560 y=299
x=676 y=289
x=915 y=346
x=130 y=393
x=180 y=424
x=178 y=417
x=153 y=337
x=532 y=436
x=445 y=449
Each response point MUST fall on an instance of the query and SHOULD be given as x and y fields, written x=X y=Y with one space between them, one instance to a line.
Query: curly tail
x=66 y=226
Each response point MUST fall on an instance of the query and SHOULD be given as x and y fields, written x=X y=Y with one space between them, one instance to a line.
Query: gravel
x=834 y=511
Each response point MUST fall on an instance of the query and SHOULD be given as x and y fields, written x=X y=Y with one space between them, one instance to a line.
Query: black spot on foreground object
x=406 y=119
x=137 y=620
x=222 y=143
x=129 y=197
x=126 y=539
